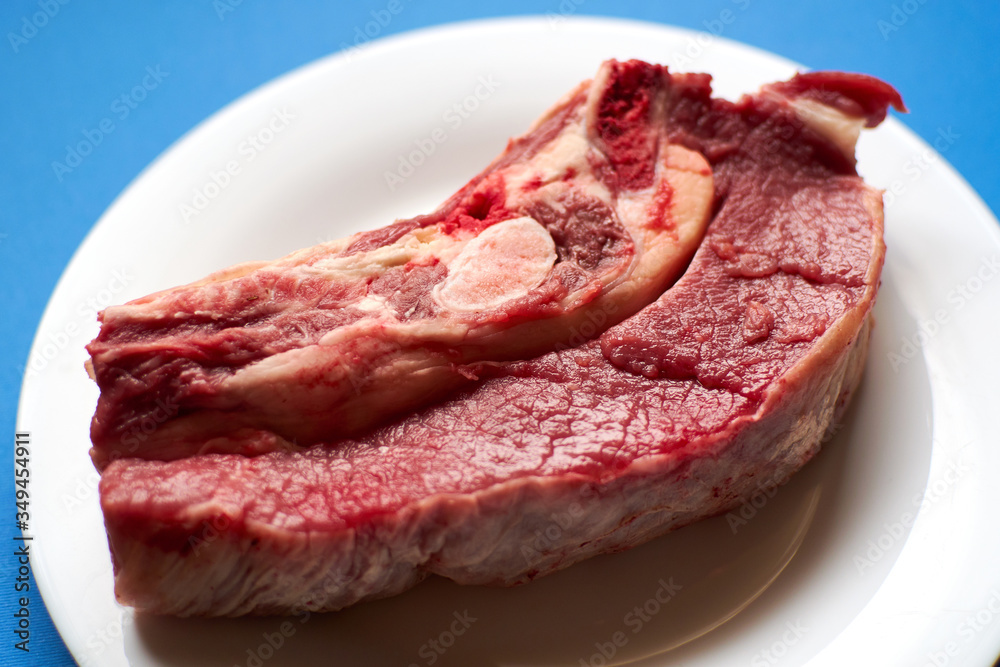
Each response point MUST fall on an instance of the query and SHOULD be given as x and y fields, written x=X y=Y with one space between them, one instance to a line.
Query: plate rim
x=405 y=40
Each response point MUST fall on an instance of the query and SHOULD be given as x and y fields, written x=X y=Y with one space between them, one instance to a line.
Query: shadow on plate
x=667 y=602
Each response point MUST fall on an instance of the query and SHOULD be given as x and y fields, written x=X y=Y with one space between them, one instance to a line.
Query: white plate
x=892 y=529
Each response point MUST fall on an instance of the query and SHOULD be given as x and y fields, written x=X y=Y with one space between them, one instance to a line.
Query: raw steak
x=587 y=217
x=726 y=383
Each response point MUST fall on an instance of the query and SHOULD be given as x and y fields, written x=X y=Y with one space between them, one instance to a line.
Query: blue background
x=60 y=79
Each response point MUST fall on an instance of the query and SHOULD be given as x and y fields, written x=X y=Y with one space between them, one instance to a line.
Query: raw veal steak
x=588 y=217
x=725 y=384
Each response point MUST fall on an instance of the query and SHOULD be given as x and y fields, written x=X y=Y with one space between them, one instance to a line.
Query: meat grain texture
x=591 y=214
x=725 y=383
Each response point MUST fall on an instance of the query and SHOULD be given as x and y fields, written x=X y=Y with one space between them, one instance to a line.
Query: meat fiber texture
x=724 y=384
x=588 y=217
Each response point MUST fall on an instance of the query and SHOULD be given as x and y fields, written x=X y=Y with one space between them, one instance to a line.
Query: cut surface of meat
x=588 y=216
x=724 y=384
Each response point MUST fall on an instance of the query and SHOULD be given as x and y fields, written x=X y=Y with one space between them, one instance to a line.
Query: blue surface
x=61 y=80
